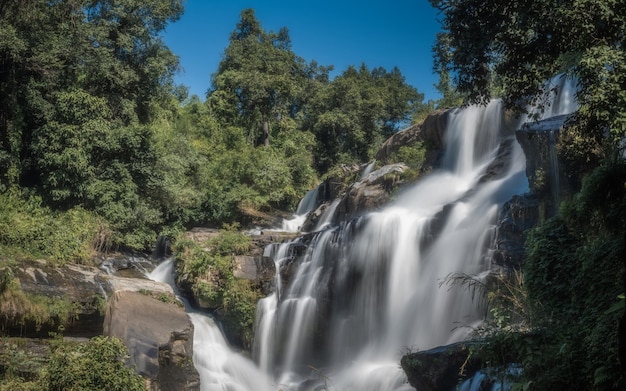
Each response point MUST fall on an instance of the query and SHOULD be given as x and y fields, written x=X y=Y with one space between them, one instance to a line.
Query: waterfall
x=368 y=169
x=374 y=287
x=220 y=368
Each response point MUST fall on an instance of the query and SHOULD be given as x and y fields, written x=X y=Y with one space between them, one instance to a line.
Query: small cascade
x=327 y=216
x=307 y=204
x=266 y=310
x=220 y=368
x=559 y=99
x=368 y=169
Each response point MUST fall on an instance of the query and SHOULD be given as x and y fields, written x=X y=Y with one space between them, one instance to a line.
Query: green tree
x=518 y=47
x=258 y=80
x=81 y=85
x=354 y=113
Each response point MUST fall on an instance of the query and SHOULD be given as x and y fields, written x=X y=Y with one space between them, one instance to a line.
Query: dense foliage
x=94 y=365
x=91 y=123
x=576 y=260
x=513 y=49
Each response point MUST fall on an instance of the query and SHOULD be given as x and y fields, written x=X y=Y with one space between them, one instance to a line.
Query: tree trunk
x=266 y=133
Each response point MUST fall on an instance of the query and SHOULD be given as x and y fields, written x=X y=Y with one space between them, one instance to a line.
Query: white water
x=220 y=368
x=368 y=291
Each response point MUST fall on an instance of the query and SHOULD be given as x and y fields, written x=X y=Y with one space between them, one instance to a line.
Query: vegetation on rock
x=206 y=269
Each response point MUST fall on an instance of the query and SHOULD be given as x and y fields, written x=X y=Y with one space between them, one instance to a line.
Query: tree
x=353 y=114
x=258 y=80
x=101 y=49
x=520 y=45
x=80 y=82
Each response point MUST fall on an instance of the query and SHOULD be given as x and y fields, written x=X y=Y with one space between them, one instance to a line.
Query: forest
x=101 y=151
x=92 y=124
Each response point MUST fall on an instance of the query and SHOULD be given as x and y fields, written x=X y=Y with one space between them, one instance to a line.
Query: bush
x=29 y=230
x=208 y=269
x=95 y=365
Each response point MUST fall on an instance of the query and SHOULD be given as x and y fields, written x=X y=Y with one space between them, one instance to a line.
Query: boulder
x=86 y=288
x=159 y=337
x=258 y=268
x=370 y=193
x=441 y=368
x=431 y=131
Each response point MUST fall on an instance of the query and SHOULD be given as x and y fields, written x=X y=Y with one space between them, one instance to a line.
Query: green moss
x=18 y=308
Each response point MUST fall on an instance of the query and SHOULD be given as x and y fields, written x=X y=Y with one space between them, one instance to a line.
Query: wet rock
x=370 y=193
x=516 y=217
x=441 y=368
x=431 y=131
x=548 y=179
x=159 y=337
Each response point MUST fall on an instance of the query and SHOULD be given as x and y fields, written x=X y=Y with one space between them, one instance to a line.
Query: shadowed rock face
x=159 y=337
x=370 y=193
x=442 y=368
x=431 y=132
x=549 y=179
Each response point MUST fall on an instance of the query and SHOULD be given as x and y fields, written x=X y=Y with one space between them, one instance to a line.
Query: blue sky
x=340 y=33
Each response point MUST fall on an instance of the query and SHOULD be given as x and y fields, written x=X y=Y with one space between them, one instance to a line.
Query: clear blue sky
x=339 y=33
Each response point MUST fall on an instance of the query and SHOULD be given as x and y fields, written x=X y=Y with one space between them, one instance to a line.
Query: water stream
x=370 y=289
x=220 y=368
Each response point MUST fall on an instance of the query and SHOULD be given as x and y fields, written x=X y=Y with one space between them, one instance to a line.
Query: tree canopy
x=90 y=118
x=516 y=47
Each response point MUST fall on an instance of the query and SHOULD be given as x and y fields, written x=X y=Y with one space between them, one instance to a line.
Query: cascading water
x=371 y=288
x=220 y=368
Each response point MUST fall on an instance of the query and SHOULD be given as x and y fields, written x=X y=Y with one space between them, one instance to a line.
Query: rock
x=515 y=219
x=86 y=288
x=431 y=131
x=548 y=179
x=441 y=368
x=159 y=337
x=253 y=268
x=370 y=193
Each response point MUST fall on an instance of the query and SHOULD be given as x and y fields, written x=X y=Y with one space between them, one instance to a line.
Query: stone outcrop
x=159 y=337
x=516 y=217
x=547 y=178
x=431 y=131
x=86 y=288
x=441 y=368
x=370 y=193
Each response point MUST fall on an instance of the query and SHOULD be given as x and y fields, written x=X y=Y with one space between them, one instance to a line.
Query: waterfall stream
x=220 y=368
x=370 y=289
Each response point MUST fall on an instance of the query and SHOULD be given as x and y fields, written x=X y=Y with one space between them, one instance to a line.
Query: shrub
x=95 y=365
